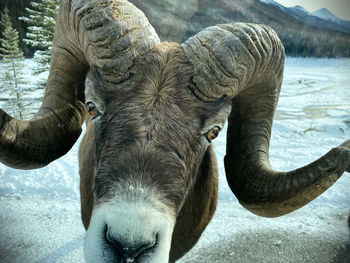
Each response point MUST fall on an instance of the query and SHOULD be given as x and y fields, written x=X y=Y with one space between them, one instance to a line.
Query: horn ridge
x=87 y=32
x=29 y=144
x=253 y=58
x=233 y=54
x=114 y=29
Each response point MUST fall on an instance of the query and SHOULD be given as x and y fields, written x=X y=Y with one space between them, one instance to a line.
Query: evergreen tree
x=11 y=76
x=41 y=21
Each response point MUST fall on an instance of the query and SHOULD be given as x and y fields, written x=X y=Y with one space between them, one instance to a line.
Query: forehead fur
x=157 y=104
x=163 y=72
x=152 y=131
x=150 y=128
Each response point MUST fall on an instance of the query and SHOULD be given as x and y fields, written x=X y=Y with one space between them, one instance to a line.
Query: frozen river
x=40 y=213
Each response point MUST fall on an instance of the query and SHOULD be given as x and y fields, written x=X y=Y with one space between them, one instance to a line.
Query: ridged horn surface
x=245 y=62
x=108 y=34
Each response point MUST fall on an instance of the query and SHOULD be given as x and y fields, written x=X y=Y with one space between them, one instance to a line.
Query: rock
x=277 y=243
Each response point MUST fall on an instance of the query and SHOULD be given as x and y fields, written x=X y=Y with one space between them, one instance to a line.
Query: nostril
x=131 y=251
x=114 y=242
x=141 y=248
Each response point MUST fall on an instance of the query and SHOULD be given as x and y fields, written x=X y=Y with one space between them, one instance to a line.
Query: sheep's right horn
x=245 y=62
x=107 y=34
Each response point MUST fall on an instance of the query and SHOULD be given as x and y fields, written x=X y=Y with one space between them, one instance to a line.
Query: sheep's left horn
x=34 y=144
x=245 y=62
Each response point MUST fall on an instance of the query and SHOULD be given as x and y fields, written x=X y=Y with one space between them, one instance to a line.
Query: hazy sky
x=340 y=8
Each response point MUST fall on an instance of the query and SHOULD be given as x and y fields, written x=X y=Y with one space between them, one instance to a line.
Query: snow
x=267 y=1
x=272 y=2
x=35 y=96
x=300 y=8
x=40 y=209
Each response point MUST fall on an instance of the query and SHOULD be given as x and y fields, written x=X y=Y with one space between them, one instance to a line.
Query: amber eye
x=92 y=109
x=213 y=133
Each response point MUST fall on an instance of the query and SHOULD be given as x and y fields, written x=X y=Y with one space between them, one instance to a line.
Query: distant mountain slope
x=299 y=10
x=299 y=36
x=302 y=33
x=321 y=18
x=325 y=14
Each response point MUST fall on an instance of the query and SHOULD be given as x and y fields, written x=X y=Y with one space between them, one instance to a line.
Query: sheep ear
x=245 y=62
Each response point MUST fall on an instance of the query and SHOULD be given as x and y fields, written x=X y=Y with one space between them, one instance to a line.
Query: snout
x=129 y=232
x=128 y=252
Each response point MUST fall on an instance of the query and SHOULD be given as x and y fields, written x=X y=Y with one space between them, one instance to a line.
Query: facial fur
x=150 y=137
x=157 y=124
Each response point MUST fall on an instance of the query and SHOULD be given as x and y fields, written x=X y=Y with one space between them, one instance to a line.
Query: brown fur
x=198 y=209
x=86 y=169
x=157 y=117
x=195 y=214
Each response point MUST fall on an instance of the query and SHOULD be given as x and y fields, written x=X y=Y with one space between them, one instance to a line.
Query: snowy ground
x=40 y=213
x=33 y=98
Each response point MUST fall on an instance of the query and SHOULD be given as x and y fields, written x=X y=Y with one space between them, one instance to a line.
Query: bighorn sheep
x=148 y=170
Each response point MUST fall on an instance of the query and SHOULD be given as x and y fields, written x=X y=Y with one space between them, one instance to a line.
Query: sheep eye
x=92 y=109
x=213 y=133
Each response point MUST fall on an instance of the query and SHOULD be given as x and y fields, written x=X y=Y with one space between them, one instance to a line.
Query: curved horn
x=106 y=34
x=245 y=61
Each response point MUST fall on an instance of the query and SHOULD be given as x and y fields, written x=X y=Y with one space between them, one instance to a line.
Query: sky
x=340 y=8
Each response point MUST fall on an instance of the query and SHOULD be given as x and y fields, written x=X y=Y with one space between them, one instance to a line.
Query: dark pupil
x=91 y=106
x=213 y=133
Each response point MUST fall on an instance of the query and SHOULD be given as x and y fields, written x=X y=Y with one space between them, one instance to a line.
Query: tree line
x=314 y=44
x=40 y=19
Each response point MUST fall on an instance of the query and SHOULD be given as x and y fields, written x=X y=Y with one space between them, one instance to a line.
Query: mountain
x=325 y=14
x=299 y=10
x=302 y=33
x=321 y=18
